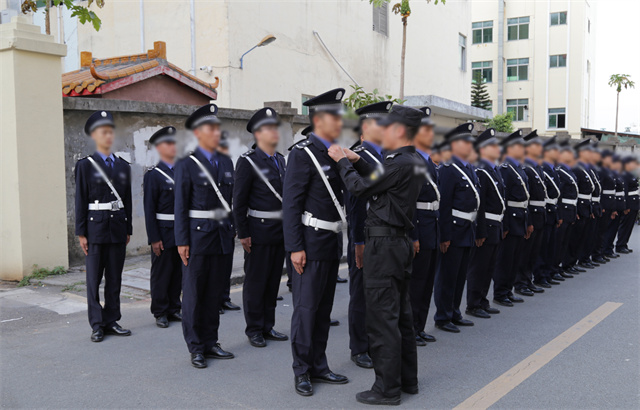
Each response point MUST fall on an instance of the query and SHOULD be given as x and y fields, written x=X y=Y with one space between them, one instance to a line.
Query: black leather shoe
x=420 y=341
x=410 y=389
x=162 y=322
x=491 y=310
x=600 y=260
x=503 y=302
x=116 y=330
x=542 y=284
x=524 y=292
x=97 y=336
x=462 y=322
x=585 y=265
x=334 y=322
x=221 y=311
x=515 y=299
x=574 y=270
x=594 y=264
x=331 y=378
x=478 y=312
x=624 y=251
x=277 y=336
x=303 y=385
x=371 y=397
x=566 y=275
x=557 y=277
x=554 y=282
x=175 y=317
x=612 y=255
x=427 y=338
x=198 y=361
x=216 y=352
x=362 y=360
x=448 y=327
x=228 y=305
x=279 y=298
x=257 y=341
x=341 y=280
x=536 y=289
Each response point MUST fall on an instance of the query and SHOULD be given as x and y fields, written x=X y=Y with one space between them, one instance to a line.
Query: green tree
x=404 y=10
x=618 y=81
x=82 y=12
x=360 y=98
x=501 y=122
x=479 y=94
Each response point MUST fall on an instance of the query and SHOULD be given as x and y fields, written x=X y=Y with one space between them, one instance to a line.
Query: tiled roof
x=100 y=76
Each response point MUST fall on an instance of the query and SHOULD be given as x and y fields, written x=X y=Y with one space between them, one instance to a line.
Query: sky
x=617 y=52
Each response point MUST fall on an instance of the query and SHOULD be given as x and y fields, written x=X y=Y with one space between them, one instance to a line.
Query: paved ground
x=47 y=359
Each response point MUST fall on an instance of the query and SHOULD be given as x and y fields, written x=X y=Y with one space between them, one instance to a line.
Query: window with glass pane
x=482 y=32
x=557 y=118
x=483 y=69
x=558 y=18
x=518 y=28
x=559 y=60
x=518 y=69
x=519 y=108
x=462 y=45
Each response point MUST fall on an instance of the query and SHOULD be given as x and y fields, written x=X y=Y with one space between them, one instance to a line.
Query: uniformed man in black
x=615 y=167
x=370 y=150
x=159 y=199
x=547 y=261
x=489 y=231
x=388 y=254
x=515 y=223
x=314 y=218
x=204 y=235
x=459 y=203
x=527 y=273
x=425 y=234
x=608 y=202
x=257 y=199
x=579 y=248
x=567 y=208
x=103 y=224
x=632 y=200
x=593 y=158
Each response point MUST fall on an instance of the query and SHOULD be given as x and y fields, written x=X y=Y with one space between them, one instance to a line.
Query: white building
x=537 y=58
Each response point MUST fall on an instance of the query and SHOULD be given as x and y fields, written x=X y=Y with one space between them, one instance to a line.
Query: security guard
x=515 y=223
x=631 y=196
x=609 y=204
x=598 y=210
x=579 y=248
x=550 y=272
x=159 y=198
x=425 y=235
x=313 y=221
x=257 y=199
x=444 y=150
x=204 y=235
x=567 y=208
x=620 y=207
x=459 y=203
x=103 y=224
x=370 y=150
x=489 y=231
x=388 y=253
x=537 y=210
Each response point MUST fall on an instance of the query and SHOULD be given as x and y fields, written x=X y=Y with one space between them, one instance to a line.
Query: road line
x=497 y=389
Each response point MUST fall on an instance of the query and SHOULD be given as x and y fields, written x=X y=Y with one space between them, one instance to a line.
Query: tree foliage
x=82 y=12
x=621 y=80
x=501 y=122
x=360 y=98
x=479 y=94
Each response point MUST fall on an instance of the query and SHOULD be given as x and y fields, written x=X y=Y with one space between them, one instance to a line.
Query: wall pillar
x=32 y=170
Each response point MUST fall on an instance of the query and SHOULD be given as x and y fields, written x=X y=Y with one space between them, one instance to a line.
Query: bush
x=501 y=122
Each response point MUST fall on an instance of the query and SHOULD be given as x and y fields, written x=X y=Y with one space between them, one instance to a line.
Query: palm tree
x=404 y=10
x=618 y=81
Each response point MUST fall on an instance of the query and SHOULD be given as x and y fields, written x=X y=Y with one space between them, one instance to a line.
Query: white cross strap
x=224 y=203
x=555 y=186
x=119 y=203
x=475 y=191
x=325 y=179
x=593 y=187
x=495 y=187
x=524 y=186
x=166 y=175
x=373 y=157
x=264 y=179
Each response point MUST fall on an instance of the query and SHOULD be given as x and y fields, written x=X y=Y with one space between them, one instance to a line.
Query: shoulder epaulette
x=117 y=156
x=279 y=154
x=303 y=144
x=392 y=156
x=359 y=148
x=446 y=164
x=246 y=154
x=504 y=165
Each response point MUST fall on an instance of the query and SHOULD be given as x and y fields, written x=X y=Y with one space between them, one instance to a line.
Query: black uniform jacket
x=103 y=226
x=596 y=202
x=427 y=230
x=608 y=182
x=620 y=194
x=631 y=187
x=585 y=187
x=159 y=198
x=491 y=201
x=516 y=186
x=458 y=192
x=569 y=191
x=536 y=193
x=552 y=181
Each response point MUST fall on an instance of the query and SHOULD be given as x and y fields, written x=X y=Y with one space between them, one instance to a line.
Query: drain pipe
x=193 y=37
x=501 y=62
x=315 y=33
x=142 y=48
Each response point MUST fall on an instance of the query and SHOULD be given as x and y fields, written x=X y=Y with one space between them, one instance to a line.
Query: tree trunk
x=404 y=49
x=47 y=20
x=617 y=104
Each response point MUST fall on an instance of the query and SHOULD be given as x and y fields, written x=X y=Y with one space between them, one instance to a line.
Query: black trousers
x=104 y=259
x=226 y=295
x=528 y=260
x=625 y=229
x=358 y=340
x=546 y=262
x=578 y=241
x=313 y=294
x=449 y=284
x=421 y=286
x=589 y=243
x=482 y=267
x=601 y=232
x=564 y=233
x=610 y=235
x=509 y=254
x=263 y=271
x=387 y=270
x=166 y=282
x=203 y=282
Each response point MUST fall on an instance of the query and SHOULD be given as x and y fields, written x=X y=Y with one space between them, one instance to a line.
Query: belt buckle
x=340 y=226
x=115 y=205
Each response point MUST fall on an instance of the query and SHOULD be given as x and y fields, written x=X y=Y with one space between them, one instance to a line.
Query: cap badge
x=212 y=108
x=428 y=111
x=339 y=95
x=388 y=106
x=493 y=133
x=269 y=113
x=520 y=132
x=470 y=127
x=103 y=113
x=171 y=130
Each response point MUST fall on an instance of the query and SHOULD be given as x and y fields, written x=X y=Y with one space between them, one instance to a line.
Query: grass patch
x=41 y=273
x=73 y=287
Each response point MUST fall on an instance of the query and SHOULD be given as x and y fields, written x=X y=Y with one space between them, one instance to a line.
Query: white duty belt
x=609 y=192
x=469 y=216
x=551 y=201
x=106 y=206
x=428 y=206
x=309 y=220
x=165 y=217
x=516 y=204
x=217 y=214
x=595 y=199
x=494 y=217
x=621 y=193
x=568 y=201
x=264 y=214
x=585 y=196
x=634 y=193
x=538 y=203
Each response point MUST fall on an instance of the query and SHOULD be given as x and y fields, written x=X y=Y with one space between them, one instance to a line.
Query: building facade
x=537 y=59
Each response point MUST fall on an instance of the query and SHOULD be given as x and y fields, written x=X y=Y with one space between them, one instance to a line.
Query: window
x=518 y=28
x=305 y=109
x=519 y=108
x=381 y=19
x=558 y=18
x=558 y=61
x=482 y=32
x=518 y=69
x=557 y=118
x=484 y=69
x=462 y=44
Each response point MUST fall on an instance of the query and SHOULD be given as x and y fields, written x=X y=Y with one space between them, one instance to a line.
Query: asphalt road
x=47 y=360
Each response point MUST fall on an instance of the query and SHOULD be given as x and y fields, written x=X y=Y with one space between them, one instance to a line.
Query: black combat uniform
x=632 y=200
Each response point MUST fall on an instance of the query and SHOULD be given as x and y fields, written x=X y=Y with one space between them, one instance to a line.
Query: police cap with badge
x=584 y=145
x=551 y=144
x=565 y=145
x=513 y=138
x=488 y=137
x=372 y=111
x=264 y=116
x=207 y=114
x=461 y=132
x=166 y=134
x=532 y=138
x=402 y=114
x=426 y=120
x=441 y=147
x=329 y=102
x=98 y=119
